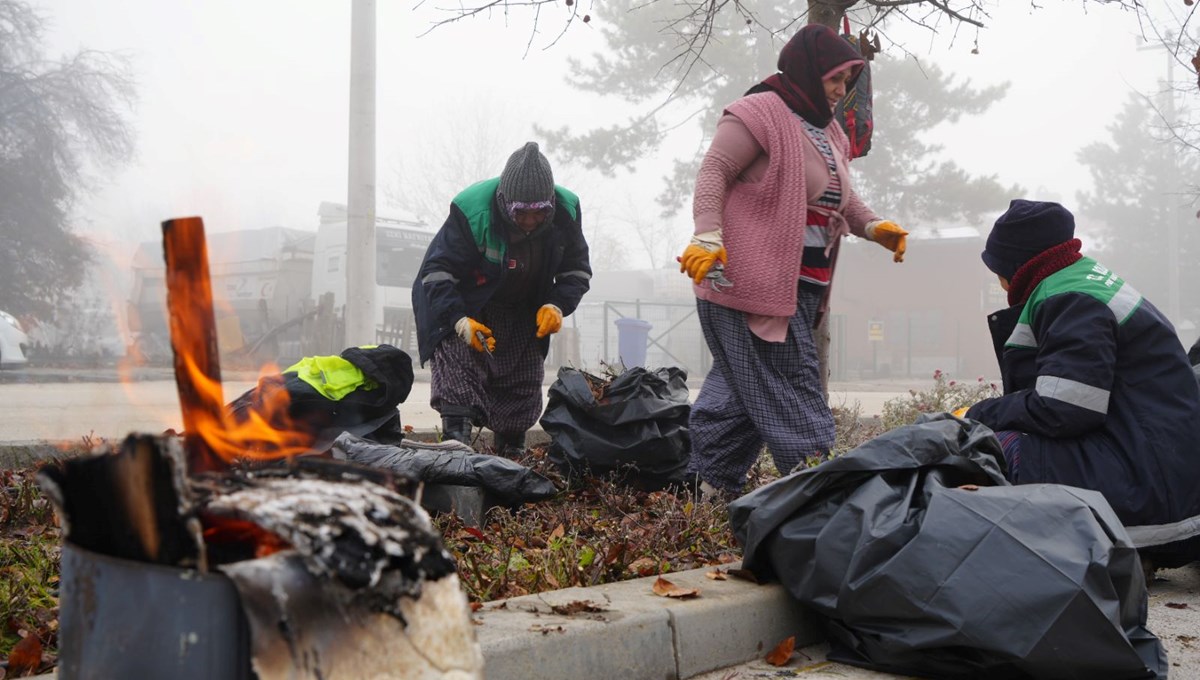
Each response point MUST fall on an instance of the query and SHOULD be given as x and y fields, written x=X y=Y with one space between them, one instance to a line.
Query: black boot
x=456 y=427
x=509 y=444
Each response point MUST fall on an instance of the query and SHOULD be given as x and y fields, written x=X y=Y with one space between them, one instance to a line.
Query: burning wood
x=213 y=438
x=337 y=572
x=193 y=335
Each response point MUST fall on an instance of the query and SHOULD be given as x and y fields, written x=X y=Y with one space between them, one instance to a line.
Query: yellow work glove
x=891 y=236
x=470 y=330
x=702 y=253
x=960 y=412
x=549 y=320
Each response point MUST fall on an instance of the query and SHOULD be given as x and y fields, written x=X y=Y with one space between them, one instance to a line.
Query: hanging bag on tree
x=856 y=113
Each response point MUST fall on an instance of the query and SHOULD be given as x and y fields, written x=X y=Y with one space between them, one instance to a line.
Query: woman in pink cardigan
x=772 y=199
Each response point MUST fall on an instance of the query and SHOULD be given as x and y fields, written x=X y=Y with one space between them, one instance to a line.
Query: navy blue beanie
x=1025 y=230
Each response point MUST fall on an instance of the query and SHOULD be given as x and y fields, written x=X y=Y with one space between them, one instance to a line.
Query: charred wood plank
x=132 y=504
x=193 y=336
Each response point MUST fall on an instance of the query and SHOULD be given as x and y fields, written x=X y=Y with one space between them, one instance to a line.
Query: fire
x=268 y=432
x=213 y=436
x=227 y=532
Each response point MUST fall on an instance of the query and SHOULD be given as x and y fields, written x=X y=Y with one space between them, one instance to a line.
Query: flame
x=226 y=531
x=267 y=433
x=262 y=432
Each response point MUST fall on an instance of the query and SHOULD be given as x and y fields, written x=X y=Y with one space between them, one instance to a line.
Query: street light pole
x=360 y=208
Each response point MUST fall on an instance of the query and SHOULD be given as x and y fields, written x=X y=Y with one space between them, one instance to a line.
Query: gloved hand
x=960 y=412
x=549 y=320
x=702 y=253
x=889 y=235
x=467 y=328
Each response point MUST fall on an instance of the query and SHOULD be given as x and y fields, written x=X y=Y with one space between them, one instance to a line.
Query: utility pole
x=1173 y=218
x=360 y=203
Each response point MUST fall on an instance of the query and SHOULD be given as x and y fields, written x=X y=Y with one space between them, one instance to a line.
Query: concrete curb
x=638 y=634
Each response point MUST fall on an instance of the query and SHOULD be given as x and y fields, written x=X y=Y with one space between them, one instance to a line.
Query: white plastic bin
x=633 y=336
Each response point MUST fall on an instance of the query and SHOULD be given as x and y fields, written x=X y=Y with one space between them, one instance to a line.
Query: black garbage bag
x=914 y=575
x=638 y=428
x=507 y=482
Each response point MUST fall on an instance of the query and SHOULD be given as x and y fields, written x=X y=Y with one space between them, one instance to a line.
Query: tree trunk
x=828 y=12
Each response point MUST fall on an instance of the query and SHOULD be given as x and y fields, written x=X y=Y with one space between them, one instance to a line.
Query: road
x=66 y=411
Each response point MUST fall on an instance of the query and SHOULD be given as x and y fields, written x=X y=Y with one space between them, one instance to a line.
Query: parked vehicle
x=13 y=341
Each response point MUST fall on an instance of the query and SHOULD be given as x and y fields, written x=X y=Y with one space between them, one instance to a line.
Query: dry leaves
x=25 y=657
x=644 y=566
x=782 y=652
x=577 y=607
x=664 y=588
x=1177 y=605
x=717 y=575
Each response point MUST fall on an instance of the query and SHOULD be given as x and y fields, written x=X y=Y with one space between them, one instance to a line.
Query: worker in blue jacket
x=508 y=264
x=1098 y=392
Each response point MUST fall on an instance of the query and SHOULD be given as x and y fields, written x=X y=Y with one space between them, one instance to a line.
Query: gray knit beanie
x=527 y=177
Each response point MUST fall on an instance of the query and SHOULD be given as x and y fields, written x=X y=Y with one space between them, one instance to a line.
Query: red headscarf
x=813 y=54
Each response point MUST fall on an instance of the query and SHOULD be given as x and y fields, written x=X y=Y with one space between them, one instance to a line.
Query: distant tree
x=56 y=117
x=435 y=165
x=1139 y=186
x=902 y=176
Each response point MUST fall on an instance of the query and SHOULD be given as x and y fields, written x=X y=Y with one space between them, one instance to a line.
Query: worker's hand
x=960 y=412
x=469 y=330
x=702 y=253
x=889 y=235
x=549 y=320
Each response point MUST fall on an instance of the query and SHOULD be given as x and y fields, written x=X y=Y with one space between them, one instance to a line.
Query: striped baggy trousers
x=758 y=393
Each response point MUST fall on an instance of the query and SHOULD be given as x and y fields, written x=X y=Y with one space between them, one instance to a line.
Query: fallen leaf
x=664 y=588
x=558 y=532
x=782 y=652
x=644 y=566
x=576 y=607
x=716 y=575
x=1177 y=605
x=25 y=656
x=615 y=551
x=545 y=630
x=476 y=606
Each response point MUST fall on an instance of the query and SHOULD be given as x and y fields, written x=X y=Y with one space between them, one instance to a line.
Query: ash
x=370 y=538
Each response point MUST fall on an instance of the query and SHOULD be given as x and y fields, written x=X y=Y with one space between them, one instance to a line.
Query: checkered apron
x=757 y=393
x=503 y=389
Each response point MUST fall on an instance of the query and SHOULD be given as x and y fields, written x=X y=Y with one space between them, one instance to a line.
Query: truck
x=400 y=245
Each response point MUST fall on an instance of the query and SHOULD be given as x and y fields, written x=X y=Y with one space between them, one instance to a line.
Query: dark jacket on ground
x=1097 y=378
x=467 y=262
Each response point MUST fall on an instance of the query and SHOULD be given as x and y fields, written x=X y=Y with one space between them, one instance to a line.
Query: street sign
x=875 y=331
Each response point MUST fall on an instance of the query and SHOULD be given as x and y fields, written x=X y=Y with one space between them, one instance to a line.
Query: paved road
x=67 y=411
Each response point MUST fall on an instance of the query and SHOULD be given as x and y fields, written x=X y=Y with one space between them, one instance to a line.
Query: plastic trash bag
x=914 y=575
x=507 y=482
x=638 y=429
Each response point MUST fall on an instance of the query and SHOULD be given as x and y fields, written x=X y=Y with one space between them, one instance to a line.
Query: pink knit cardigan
x=763 y=221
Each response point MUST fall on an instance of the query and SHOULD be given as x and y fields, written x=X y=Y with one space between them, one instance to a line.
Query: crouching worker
x=1098 y=392
x=357 y=392
x=507 y=265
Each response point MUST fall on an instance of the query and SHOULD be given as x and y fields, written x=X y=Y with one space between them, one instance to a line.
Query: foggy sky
x=242 y=114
